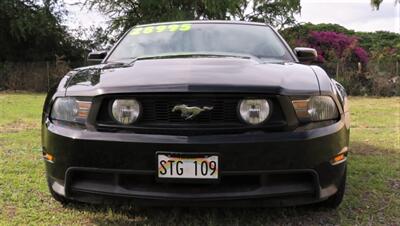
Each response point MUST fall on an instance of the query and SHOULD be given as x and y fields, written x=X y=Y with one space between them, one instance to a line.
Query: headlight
x=316 y=108
x=254 y=111
x=70 y=109
x=125 y=111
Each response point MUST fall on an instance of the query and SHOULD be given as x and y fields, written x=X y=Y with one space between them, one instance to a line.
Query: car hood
x=193 y=75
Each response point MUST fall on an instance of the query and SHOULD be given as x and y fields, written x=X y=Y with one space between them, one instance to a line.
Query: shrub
x=344 y=46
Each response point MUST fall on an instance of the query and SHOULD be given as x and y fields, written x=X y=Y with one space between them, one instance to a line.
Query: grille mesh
x=160 y=110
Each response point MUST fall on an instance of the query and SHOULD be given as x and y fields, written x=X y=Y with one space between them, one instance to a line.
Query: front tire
x=335 y=200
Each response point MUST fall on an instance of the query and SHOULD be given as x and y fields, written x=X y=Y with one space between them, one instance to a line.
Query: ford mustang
x=207 y=113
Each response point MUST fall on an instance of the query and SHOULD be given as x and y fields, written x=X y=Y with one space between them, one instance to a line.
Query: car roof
x=205 y=22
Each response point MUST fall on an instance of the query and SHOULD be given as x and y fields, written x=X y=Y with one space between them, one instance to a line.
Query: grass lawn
x=372 y=196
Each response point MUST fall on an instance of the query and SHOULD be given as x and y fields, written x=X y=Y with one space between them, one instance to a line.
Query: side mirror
x=306 y=55
x=96 y=57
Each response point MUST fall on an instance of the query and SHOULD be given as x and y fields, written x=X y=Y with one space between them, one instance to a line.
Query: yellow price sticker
x=185 y=27
x=136 y=31
x=173 y=27
x=160 y=28
x=148 y=30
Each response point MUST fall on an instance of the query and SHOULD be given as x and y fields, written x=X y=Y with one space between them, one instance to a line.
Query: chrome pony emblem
x=190 y=112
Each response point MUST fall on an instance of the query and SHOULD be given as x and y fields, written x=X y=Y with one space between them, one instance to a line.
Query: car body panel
x=196 y=75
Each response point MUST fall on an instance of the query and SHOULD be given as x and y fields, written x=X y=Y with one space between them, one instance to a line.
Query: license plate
x=187 y=167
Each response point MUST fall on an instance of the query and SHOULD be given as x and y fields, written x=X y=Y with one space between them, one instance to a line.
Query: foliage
x=127 y=13
x=376 y=41
x=342 y=45
x=341 y=49
x=300 y=31
x=276 y=13
x=32 y=30
x=99 y=39
x=368 y=40
x=376 y=3
x=333 y=48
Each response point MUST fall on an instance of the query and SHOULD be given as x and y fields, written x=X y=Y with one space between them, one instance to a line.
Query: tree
x=376 y=3
x=32 y=31
x=127 y=13
x=276 y=13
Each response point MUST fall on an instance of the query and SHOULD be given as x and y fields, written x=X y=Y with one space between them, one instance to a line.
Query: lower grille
x=236 y=185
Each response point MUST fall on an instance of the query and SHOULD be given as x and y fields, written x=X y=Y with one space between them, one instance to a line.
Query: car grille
x=157 y=114
x=160 y=111
x=302 y=184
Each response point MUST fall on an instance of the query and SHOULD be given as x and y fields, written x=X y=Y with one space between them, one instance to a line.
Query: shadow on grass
x=131 y=215
x=361 y=148
x=301 y=215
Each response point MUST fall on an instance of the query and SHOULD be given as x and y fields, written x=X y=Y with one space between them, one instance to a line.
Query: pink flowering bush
x=366 y=63
x=343 y=46
x=361 y=54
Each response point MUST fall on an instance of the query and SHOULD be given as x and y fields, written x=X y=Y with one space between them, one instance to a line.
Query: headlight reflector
x=125 y=111
x=254 y=111
x=70 y=109
x=316 y=108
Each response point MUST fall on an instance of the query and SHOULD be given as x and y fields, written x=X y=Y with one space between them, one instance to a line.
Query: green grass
x=372 y=196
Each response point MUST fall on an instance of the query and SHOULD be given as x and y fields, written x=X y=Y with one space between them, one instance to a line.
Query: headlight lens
x=70 y=109
x=254 y=111
x=125 y=111
x=316 y=108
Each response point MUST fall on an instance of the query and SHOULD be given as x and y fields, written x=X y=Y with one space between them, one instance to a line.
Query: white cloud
x=353 y=14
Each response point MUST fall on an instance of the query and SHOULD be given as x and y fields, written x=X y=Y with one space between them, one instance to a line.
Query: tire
x=335 y=200
x=59 y=198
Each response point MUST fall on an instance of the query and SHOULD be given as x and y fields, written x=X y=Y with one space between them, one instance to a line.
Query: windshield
x=187 y=38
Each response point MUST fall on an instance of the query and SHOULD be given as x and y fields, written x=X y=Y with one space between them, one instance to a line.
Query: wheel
x=335 y=200
x=59 y=198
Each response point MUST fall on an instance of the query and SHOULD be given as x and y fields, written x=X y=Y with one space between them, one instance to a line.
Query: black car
x=198 y=113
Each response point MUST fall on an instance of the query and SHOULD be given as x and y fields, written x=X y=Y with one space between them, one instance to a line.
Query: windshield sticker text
x=160 y=28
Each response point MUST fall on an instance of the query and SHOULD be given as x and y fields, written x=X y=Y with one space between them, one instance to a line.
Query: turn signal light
x=341 y=157
x=48 y=157
x=84 y=108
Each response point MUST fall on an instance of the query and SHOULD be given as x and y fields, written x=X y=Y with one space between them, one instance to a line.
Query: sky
x=80 y=16
x=353 y=14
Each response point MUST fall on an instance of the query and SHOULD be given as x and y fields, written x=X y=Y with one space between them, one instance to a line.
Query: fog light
x=125 y=111
x=254 y=111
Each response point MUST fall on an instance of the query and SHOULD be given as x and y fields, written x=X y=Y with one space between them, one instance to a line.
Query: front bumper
x=257 y=168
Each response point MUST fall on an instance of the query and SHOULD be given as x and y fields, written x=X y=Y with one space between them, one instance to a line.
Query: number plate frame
x=188 y=155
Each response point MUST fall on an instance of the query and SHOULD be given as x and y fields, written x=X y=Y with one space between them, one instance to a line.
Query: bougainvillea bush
x=366 y=63
x=340 y=55
x=344 y=46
